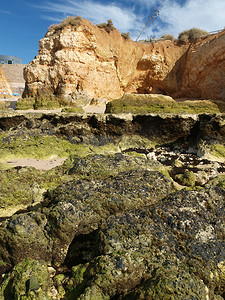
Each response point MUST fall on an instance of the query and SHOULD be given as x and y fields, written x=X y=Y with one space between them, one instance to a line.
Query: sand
x=38 y=164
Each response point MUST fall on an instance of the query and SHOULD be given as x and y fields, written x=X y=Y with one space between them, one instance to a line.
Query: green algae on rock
x=112 y=224
x=187 y=179
x=29 y=279
x=76 y=208
x=156 y=103
x=124 y=236
x=170 y=246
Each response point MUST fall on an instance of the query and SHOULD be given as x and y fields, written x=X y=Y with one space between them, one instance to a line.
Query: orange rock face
x=204 y=74
x=90 y=61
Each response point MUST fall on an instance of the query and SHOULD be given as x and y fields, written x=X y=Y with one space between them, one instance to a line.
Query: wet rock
x=29 y=279
x=173 y=249
x=76 y=209
x=187 y=179
x=103 y=166
x=117 y=229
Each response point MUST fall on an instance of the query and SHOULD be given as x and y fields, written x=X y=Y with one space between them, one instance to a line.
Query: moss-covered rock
x=77 y=208
x=25 y=103
x=73 y=110
x=105 y=166
x=171 y=283
x=4 y=106
x=211 y=143
x=218 y=150
x=187 y=179
x=156 y=103
x=165 y=251
x=28 y=280
x=112 y=225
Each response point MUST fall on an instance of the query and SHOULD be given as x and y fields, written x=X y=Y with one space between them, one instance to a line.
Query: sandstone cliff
x=4 y=85
x=205 y=69
x=88 y=60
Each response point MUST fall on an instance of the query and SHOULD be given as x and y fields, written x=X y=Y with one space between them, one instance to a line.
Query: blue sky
x=24 y=22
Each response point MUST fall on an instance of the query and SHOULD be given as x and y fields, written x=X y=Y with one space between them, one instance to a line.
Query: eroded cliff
x=85 y=60
x=205 y=69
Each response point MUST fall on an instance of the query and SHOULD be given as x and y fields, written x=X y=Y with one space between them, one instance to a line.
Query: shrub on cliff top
x=126 y=36
x=107 y=26
x=71 y=20
x=192 y=35
x=168 y=37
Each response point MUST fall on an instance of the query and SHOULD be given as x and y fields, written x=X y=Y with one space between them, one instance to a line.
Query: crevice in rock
x=82 y=249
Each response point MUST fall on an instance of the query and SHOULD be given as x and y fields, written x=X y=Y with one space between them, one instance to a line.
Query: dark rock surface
x=133 y=235
x=174 y=249
x=76 y=208
x=118 y=228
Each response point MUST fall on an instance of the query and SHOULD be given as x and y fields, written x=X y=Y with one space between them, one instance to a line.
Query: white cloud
x=174 y=17
x=124 y=19
x=204 y=14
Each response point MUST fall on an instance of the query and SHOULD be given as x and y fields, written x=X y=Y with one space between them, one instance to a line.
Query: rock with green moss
x=218 y=181
x=28 y=280
x=171 y=250
x=24 y=235
x=73 y=110
x=105 y=166
x=187 y=179
x=211 y=141
x=170 y=281
x=122 y=131
x=129 y=236
x=4 y=106
x=74 y=209
x=113 y=222
x=157 y=103
x=25 y=103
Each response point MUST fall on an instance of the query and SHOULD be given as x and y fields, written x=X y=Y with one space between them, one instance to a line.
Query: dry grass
x=107 y=26
x=126 y=36
x=71 y=20
x=192 y=35
x=168 y=37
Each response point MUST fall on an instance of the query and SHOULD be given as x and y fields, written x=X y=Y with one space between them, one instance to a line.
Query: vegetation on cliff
x=107 y=26
x=73 y=21
x=192 y=35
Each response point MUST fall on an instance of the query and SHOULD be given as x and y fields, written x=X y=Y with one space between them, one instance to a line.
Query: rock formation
x=205 y=69
x=90 y=60
x=84 y=60
x=113 y=223
x=4 y=85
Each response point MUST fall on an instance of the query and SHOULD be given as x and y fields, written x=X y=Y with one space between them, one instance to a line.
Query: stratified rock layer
x=84 y=62
x=90 y=60
x=4 y=85
x=205 y=69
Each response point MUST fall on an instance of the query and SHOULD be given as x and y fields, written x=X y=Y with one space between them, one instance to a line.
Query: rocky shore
x=135 y=211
